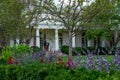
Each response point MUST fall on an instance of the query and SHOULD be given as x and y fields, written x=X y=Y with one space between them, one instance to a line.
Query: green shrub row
x=83 y=51
x=52 y=72
x=35 y=49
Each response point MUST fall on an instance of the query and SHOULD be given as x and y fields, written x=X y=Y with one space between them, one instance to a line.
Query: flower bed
x=21 y=63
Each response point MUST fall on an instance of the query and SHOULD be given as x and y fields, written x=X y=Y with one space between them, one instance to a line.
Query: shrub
x=35 y=49
x=14 y=53
x=65 y=49
x=90 y=48
x=6 y=53
x=50 y=77
x=77 y=50
x=20 y=49
x=102 y=50
x=52 y=72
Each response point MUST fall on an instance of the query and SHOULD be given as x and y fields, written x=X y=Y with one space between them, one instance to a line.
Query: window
x=41 y=40
x=60 y=39
x=97 y=42
x=84 y=40
x=112 y=40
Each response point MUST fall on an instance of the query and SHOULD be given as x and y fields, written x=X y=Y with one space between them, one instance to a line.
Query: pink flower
x=70 y=63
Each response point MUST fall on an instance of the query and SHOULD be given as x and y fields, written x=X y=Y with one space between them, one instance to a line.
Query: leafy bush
x=35 y=49
x=65 y=49
x=6 y=53
x=84 y=51
x=77 y=50
x=90 y=48
x=102 y=50
x=20 y=49
x=52 y=72
x=14 y=52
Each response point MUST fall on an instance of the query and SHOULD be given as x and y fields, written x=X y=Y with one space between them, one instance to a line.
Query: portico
x=54 y=36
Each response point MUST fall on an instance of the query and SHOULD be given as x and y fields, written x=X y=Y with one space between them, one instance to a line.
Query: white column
x=56 y=40
x=89 y=43
x=11 y=42
x=17 y=41
x=32 y=42
x=37 y=38
x=73 y=40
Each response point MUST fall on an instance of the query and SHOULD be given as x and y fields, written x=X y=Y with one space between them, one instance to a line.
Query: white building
x=55 y=35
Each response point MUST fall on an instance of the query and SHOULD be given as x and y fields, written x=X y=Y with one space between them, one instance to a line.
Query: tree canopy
x=75 y=14
x=106 y=21
x=15 y=16
x=99 y=16
x=11 y=21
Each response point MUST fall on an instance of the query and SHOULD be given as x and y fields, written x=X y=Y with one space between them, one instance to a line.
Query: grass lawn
x=109 y=57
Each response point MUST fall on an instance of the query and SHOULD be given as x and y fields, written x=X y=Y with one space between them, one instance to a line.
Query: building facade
x=52 y=36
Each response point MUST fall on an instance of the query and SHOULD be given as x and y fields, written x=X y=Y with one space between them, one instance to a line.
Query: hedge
x=52 y=72
x=84 y=50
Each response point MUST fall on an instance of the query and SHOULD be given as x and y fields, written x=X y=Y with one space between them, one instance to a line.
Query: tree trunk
x=70 y=43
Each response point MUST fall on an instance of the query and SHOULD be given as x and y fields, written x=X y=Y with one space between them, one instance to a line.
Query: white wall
x=65 y=38
x=50 y=39
x=32 y=42
x=78 y=40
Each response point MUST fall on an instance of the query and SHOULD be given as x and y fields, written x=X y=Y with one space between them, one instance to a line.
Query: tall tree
x=103 y=24
x=16 y=15
x=11 y=20
x=115 y=21
x=72 y=14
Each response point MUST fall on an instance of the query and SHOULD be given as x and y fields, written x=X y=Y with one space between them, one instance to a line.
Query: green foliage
x=15 y=15
x=20 y=49
x=101 y=32
x=77 y=49
x=52 y=72
x=50 y=77
x=11 y=22
x=83 y=51
x=65 y=49
x=6 y=52
x=15 y=51
x=1 y=50
x=36 y=49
